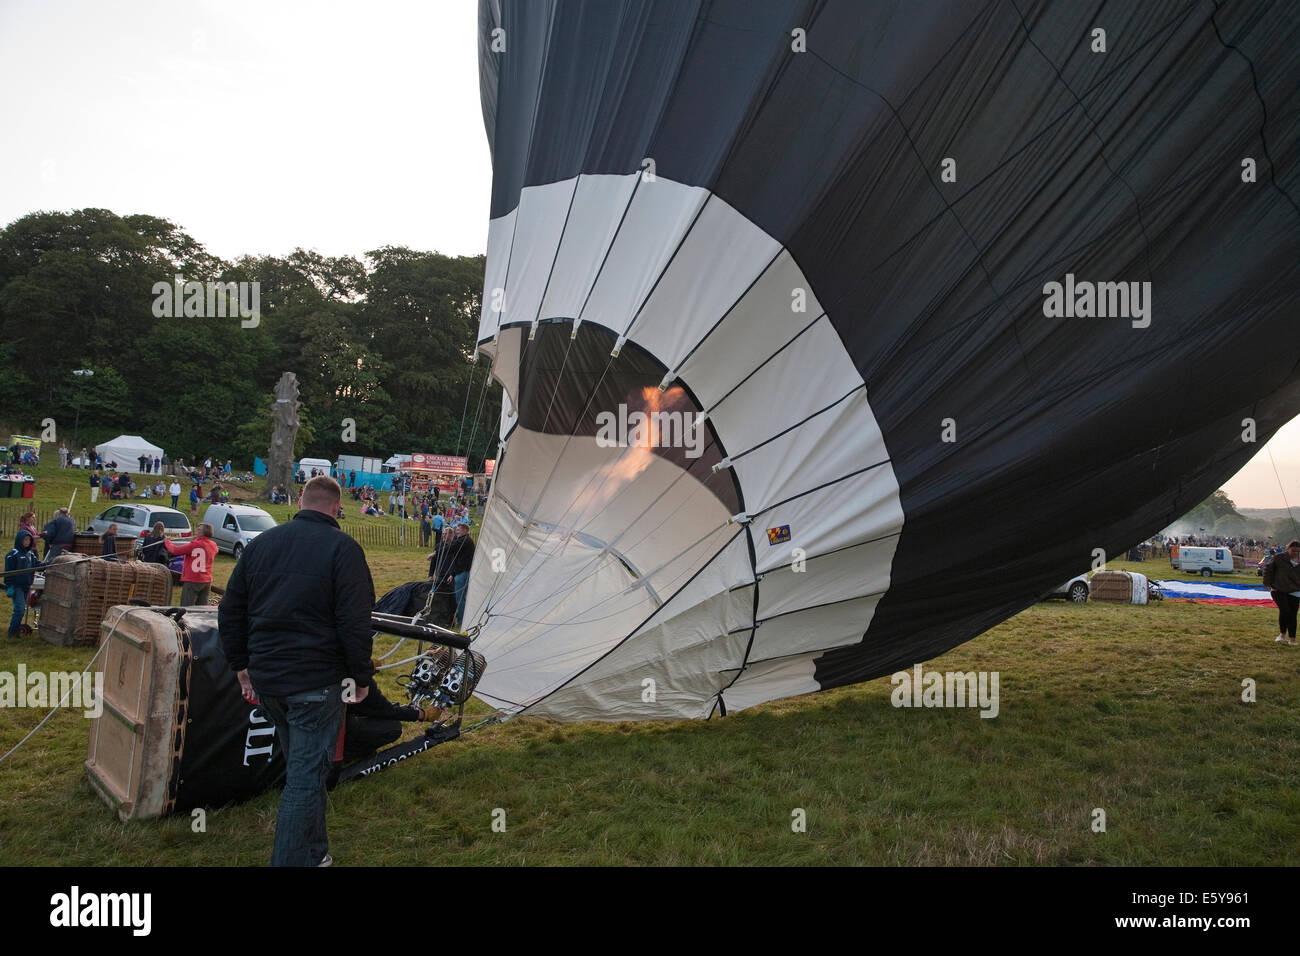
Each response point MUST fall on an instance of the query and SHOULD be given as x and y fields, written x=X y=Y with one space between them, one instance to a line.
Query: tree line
x=386 y=341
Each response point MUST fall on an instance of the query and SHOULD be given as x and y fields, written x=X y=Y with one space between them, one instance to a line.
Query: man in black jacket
x=295 y=626
x=60 y=534
x=459 y=559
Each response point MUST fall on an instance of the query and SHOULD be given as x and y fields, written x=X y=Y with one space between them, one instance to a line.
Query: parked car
x=135 y=520
x=233 y=526
x=1076 y=589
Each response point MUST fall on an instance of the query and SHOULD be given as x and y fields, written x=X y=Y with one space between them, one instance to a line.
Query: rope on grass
x=77 y=683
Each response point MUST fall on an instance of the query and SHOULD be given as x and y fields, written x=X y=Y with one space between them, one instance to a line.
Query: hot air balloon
x=833 y=333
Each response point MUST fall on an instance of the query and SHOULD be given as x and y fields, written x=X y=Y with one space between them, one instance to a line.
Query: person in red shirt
x=196 y=572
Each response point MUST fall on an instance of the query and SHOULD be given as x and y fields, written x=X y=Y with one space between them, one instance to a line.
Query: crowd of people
x=20 y=454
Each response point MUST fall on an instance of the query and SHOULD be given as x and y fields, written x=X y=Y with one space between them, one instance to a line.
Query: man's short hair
x=321 y=490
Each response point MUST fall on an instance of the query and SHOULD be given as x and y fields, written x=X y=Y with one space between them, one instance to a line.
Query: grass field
x=1137 y=711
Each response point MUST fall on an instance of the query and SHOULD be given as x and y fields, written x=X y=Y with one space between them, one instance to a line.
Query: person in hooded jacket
x=23 y=560
x=153 y=548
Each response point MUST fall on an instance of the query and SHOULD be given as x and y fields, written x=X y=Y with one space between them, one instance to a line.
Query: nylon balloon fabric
x=834 y=333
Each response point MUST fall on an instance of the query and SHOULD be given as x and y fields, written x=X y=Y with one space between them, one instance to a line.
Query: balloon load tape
x=444 y=677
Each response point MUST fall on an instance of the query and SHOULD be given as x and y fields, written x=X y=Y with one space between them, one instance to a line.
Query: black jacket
x=296 y=612
x=1281 y=575
x=59 y=531
x=459 y=556
x=22 y=558
x=379 y=707
x=153 y=549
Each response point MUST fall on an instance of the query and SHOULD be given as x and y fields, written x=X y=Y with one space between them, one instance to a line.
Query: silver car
x=134 y=520
x=233 y=526
x=1076 y=589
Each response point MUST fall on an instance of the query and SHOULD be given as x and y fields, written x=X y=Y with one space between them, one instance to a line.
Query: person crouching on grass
x=196 y=572
x=1282 y=578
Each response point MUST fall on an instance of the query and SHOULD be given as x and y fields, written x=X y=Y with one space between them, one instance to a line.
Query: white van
x=1204 y=561
x=233 y=526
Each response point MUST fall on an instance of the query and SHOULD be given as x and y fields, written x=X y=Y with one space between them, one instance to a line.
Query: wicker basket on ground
x=1118 y=587
x=78 y=591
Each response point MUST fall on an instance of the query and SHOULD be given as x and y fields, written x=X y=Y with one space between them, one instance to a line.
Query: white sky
x=261 y=126
x=255 y=126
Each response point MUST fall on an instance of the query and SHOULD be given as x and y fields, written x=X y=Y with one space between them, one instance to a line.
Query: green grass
x=1135 y=710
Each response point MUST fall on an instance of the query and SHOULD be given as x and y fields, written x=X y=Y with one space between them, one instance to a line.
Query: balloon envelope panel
x=833 y=230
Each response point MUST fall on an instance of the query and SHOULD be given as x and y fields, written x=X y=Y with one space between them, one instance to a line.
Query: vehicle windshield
x=170 y=519
x=262 y=522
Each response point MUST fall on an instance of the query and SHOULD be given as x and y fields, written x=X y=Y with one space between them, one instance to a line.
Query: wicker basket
x=78 y=592
x=92 y=544
x=1113 y=586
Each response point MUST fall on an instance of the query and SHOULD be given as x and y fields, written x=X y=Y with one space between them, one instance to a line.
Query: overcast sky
x=255 y=126
x=262 y=126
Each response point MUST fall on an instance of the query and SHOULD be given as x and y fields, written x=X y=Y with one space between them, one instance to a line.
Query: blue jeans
x=461 y=581
x=20 y=605
x=307 y=726
x=174 y=497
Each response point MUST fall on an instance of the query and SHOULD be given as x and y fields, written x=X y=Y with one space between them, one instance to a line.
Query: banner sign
x=444 y=464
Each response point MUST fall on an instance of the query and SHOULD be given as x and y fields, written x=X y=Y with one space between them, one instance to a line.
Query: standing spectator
x=196 y=572
x=352 y=479
x=124 y=485
x=59 y=533
x=65 y=457
x=174 y=489
x=23 y=560
x=295 y=626
x=1282 y=578
x=460 y=556
x=108 y=547
x=392 y=502
x=157 y=465
x=85 y=460
x=94 y=486
x=401 y=504
x=228 y=461
x=196 y=492
x=426 y=529
x=166 y=463
x=153 y=548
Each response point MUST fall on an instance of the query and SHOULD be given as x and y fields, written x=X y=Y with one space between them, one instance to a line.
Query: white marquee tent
x=126 y=451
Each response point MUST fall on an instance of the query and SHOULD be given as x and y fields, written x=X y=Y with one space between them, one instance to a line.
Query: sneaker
x=1280 y=639
x=328 y=861
x=1290 y=642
